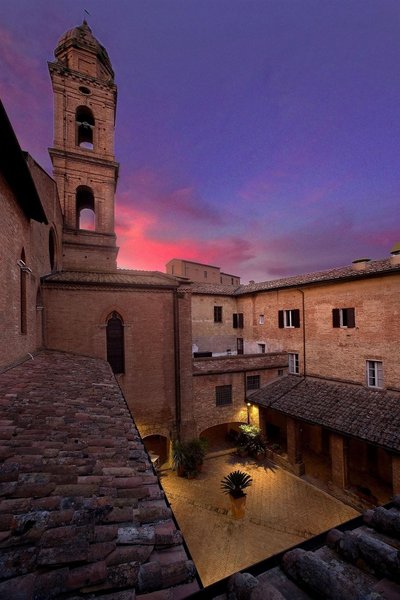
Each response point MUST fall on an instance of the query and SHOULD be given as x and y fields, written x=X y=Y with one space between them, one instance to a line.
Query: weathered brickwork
x=76 y=322
x=209 y=336
x=17 y=234
x=210 y=373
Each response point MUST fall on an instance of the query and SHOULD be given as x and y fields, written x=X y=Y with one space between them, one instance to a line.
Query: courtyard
x=282 y=510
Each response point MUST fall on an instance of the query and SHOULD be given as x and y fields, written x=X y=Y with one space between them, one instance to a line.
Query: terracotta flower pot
x=238 y=507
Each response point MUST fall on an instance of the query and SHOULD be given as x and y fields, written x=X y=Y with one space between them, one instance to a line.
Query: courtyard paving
x=282 y=510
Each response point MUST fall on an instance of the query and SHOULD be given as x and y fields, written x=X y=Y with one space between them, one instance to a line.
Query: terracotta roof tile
x=372 y=268
x=120 y=277
x=372 y=415
x=81 y=510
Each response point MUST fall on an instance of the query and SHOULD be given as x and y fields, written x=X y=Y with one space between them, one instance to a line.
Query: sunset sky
x=262 y=136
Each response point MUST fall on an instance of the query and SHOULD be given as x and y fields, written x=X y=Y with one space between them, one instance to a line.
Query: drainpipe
x=304 y=333
x=177 y=360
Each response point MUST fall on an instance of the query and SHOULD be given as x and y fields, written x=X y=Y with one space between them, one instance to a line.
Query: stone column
x=338 y=447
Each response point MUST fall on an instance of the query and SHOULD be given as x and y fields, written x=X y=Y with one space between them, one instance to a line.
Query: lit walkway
x=282 y=510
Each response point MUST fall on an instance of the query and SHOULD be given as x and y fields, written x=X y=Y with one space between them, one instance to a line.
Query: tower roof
x=82 y=37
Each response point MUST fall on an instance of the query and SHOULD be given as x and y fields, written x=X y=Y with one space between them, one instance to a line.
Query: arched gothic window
x=85 y=209
x=115 y=343
x=84 y=127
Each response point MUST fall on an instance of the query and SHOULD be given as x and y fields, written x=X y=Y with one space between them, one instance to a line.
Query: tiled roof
x=358 y=560
x=81 y=510
x=372 y=415
x=372 y=268
x=122 y=277
x=214 y=289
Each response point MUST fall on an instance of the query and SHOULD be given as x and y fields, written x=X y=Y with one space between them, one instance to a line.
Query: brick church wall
x=76 y=322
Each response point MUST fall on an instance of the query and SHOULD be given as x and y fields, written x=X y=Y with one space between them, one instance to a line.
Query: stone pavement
x=282 y=510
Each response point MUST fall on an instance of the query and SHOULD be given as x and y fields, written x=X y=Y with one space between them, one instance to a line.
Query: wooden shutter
x=280 y=319
x=335 y=317
x=296 y=317
x=235 y=321
x=351 y=317
x=240 y=320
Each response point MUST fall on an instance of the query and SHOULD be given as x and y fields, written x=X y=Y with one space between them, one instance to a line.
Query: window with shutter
x=238 y=320
x=343 y=317
x=239 y=345
x=217 y=314
x=115 y=343
x=289 y=318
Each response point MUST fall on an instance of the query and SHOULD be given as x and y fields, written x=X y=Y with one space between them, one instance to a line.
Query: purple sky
x=262 y=136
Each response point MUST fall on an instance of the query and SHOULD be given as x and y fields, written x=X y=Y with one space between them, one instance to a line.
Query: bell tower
x=84 y=166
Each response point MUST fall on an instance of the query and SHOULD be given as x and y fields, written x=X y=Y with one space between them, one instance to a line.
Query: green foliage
x=251 y=439
x=235 y=483
x=189 y=455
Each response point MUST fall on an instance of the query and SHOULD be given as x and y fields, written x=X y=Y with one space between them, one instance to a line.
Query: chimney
x=395 y=255
x=360 y=264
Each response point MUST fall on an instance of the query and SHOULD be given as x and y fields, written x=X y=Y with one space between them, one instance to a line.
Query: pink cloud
x=138 y=250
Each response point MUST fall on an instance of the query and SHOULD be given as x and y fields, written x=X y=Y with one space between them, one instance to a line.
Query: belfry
x=83 y=160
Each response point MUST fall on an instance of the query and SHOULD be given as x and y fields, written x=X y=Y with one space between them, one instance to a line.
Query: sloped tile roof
x=357 y=560
x=373 y=268
x=120 y=277
x=372 y=415
x=81 y=510
x=214 y=289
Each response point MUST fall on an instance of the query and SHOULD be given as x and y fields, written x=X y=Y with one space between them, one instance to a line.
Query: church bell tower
x=84 y=166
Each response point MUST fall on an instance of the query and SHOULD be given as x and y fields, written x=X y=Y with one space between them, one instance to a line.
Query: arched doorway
x=158 y=448
x=221 y=437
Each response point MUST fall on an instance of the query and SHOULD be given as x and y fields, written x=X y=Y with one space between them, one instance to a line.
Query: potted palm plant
x=179 y=458
x=234 y=484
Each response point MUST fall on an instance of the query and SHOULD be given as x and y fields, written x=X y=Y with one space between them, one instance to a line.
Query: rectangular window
x=261 y=320
x=252 y=382
x=280 y=372
x=238 y=320
x=217 y=314
x=294 y=363
x=343 y=317
x=375 y=373
x=239 y=345
x=289 y=318
x=261 y=348
x=223 y=395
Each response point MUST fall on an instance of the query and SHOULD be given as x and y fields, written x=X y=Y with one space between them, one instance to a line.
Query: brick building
x=313 y=359
x=331 y=406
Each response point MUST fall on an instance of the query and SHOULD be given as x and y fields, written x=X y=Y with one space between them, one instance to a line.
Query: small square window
x=223 y=395
x=294 y=363
x=252 y=382
x=280 y=372
x=375 y=373
x=261 y=348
